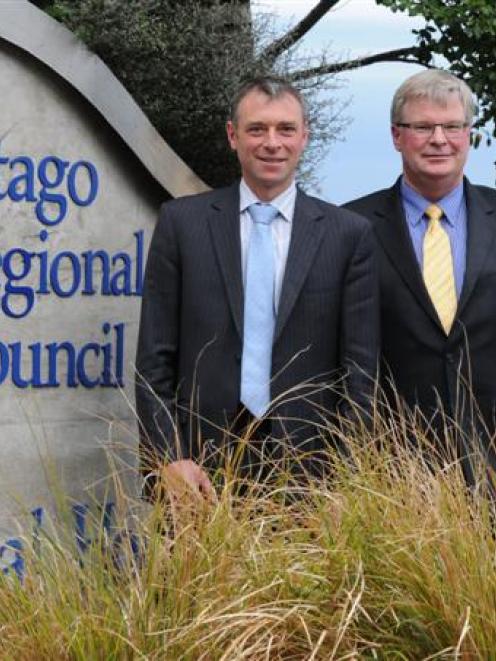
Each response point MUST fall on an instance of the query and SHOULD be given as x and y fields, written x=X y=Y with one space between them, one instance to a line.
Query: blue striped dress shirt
x=454 y=222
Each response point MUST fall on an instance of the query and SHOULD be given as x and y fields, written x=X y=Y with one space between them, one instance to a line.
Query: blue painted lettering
x=50 y=365
x=50 y=185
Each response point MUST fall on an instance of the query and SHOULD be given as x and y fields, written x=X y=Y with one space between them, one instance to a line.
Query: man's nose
x=438 y=136
x=272 y=139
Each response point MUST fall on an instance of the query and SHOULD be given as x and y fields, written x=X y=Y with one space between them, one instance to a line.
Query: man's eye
x=255 y=130
x=423 y=128
x=287 y=130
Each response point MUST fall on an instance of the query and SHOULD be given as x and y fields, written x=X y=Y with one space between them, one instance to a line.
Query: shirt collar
x=416 y=203
x=284 y=202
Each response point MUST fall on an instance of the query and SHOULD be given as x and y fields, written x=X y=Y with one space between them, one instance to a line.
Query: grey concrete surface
x=60 y=100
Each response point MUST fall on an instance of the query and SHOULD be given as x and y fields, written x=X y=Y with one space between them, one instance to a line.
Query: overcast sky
x=366 y=160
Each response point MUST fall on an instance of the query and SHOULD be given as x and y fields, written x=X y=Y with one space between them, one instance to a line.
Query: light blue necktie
x=259 y=314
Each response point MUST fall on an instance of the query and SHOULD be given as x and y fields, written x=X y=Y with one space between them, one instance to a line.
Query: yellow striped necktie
x=438 y=270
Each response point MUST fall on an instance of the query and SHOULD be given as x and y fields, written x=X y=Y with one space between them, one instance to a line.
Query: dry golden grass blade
x=388 y=556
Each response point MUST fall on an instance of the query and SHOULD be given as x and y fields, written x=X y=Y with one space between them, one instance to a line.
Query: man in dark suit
x=215 y=351
x=437 y=260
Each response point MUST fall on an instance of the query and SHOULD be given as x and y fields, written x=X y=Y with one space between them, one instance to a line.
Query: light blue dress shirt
x=454 y=222
x=281 y=230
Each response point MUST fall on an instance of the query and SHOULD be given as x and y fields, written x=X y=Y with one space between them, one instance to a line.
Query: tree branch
x=409 y=55
x=272 y=52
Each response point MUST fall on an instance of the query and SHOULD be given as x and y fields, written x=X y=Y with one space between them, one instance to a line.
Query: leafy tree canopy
x=463 y=32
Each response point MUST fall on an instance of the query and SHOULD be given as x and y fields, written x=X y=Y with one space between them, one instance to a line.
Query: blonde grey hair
x=435 y=86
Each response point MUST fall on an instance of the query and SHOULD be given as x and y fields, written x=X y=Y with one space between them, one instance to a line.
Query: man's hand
x=190 y=493
x=185 y=475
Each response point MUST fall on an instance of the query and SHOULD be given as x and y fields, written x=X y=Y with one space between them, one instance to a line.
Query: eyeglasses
x=424 y=130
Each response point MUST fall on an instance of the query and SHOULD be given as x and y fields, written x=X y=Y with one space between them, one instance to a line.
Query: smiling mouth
x=438 y=156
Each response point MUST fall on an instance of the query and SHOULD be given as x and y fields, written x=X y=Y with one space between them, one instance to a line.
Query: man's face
x=435 y=161
x=269 y=136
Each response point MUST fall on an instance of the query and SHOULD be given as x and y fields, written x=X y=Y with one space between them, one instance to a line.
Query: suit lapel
x=223 y=220
x=481 y=231
x=306 y=235
x=392 y=232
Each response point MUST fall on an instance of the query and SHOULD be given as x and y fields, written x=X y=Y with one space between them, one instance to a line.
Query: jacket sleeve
x=158 y=347
x=360 y=327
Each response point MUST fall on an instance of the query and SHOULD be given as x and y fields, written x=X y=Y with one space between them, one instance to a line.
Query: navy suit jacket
x=191 y=330
x=427 y=367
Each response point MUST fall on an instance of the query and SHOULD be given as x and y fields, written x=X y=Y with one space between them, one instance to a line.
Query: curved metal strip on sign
x=30 y=29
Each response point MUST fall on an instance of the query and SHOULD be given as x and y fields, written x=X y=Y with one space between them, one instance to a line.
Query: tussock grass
x=388 y=558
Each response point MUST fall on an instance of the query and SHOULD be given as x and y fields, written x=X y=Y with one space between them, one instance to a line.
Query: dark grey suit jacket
x=428 y=367
x=190 y=340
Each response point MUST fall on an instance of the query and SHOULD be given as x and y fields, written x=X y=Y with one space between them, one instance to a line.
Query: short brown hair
x=272 y=86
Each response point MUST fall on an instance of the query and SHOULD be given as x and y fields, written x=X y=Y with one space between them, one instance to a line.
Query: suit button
x=237 y=358
x=450 y=358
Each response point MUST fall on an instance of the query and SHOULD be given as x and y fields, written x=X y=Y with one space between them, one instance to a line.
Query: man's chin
x=438 y=171
x=445 y=164
x=272 y=173
x=269 y=181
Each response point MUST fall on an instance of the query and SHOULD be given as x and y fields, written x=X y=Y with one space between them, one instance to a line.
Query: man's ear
x=396 y=135
x=306 y=133
x=231 y=134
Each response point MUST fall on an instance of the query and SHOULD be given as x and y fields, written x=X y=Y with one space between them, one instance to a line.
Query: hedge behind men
x=218 y=353
x=436 y=234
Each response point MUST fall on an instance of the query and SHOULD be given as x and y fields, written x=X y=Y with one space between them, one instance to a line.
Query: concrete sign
x=79 y=166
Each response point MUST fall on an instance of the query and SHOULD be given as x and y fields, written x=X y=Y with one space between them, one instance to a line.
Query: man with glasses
x=436 y=234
